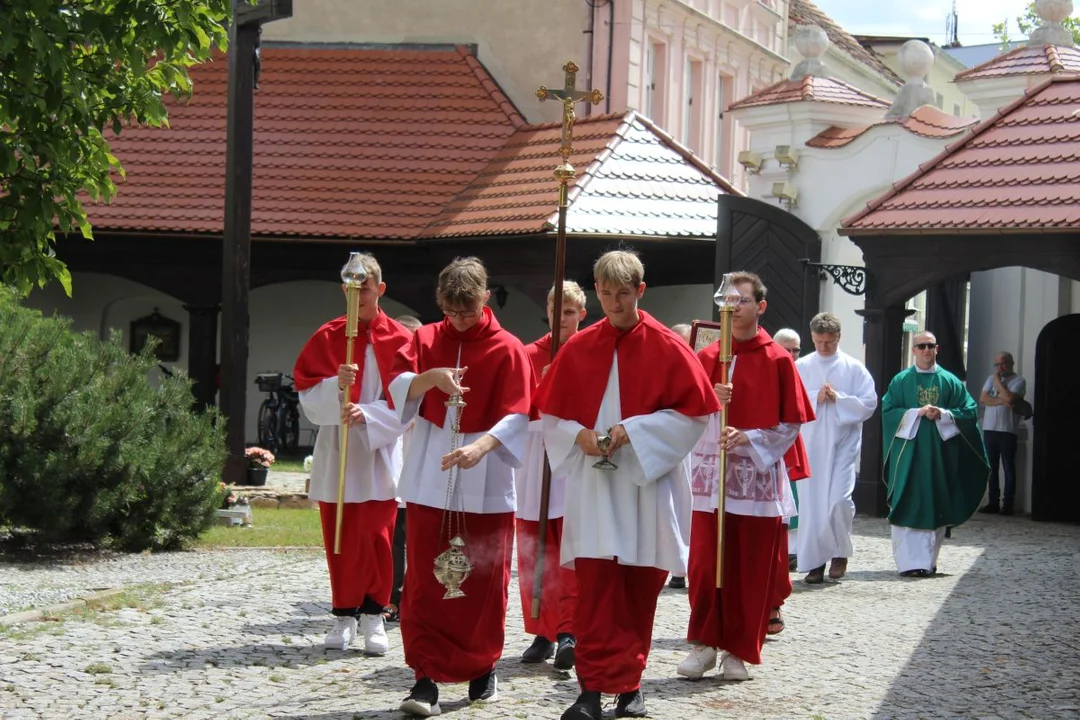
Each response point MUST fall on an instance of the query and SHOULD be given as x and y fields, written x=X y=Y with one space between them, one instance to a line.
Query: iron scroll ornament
x=851 y=278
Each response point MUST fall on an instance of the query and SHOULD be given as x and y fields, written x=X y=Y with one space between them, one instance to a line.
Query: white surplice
x=486 y=488
x=756 y=478
x=833 y=440
x=374 y=452
x=529 y=480
x=638 y=514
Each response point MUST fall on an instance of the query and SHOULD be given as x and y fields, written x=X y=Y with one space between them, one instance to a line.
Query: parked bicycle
x=279 y=414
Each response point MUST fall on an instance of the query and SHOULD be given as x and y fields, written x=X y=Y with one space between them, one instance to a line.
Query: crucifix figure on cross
x=570 y=96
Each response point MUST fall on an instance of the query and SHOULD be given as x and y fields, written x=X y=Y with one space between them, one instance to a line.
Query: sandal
x=392 y=613
x=776 y=624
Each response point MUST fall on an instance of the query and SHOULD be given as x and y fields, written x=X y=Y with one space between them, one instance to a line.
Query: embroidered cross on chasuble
x=929 y=394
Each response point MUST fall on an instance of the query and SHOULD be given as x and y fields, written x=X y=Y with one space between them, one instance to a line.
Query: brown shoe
x=837 y=568
x=815 y=576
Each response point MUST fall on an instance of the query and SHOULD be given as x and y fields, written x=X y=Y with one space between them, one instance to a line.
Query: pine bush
x=90 y=451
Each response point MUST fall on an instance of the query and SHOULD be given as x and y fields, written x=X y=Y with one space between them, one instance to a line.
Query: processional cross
x=564 y=173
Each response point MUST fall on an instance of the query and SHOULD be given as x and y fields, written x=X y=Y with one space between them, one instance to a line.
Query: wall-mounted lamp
x=752 y=161
x=786 y=193
x=501 y=294
x=787 y=156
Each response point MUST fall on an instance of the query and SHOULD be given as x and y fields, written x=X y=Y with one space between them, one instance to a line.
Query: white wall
x=283 y=317
x=1009 y=308
x=103 y=302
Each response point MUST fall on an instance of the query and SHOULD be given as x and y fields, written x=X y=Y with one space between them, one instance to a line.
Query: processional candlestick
x=727 y=298
x=353 y=276
x=564 y=173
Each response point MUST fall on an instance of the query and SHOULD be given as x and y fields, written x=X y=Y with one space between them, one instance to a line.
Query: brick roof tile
x=926 y=121
x=1019 y=170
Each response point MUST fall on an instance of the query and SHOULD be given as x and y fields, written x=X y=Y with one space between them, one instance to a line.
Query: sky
x=924 y=18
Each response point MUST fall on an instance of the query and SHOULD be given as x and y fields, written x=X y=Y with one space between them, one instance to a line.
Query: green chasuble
x=931 y=482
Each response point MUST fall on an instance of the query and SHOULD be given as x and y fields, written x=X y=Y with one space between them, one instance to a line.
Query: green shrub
x=90 y=451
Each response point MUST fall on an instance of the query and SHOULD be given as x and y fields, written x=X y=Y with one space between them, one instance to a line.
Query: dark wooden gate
x=762 y=238
x=1055 y=494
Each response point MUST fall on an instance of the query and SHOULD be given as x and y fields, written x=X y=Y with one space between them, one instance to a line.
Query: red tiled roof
x=348 y=143
x=810 y=89
x=400 y=144
x=804 y=12
x=1026 y=60
x=926 y=121
x=1019 y=170
x=628 y=170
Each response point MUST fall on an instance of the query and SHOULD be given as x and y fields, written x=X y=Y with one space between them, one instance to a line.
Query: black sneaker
x=484 y=688
x=677 y=583
x=631 y=704
x=586 y=707
x=423 y=700
x=1006 y=510
x=989 y=509
x=564 y=657
x=541 y=649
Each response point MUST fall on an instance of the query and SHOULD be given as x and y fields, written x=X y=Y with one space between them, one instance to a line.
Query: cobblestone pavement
x=237 y=634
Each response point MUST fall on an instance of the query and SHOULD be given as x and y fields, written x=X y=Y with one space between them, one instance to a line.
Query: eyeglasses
x=925 y=346
x=1002 y=364
x=463 y=314
x=746 y=300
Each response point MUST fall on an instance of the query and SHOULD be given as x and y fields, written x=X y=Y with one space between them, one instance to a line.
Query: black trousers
x=1001 y=451
x=399 y=558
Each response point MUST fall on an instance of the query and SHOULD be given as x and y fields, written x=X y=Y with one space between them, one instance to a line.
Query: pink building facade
x=682 y=63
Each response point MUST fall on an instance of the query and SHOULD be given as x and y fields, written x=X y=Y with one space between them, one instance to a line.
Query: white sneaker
x=701 y=659
x=732 y=668
x=375 y=640
x=342 y=634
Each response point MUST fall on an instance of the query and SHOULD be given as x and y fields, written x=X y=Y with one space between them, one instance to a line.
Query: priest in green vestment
x=935 y=463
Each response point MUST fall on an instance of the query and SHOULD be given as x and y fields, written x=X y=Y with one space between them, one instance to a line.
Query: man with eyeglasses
x=459 y=475
x=844 y=397
x=1001 y=393
x=935 y=463
x=766 y=406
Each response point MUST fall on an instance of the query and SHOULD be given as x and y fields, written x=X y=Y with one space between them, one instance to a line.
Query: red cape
x=657 y=371
x=539 y=353
x=766 y=374
x=499 y=377
x=325 y=352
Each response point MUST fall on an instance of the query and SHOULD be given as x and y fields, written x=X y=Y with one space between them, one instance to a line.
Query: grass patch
x=270 y=527
x=97 y=669
x=288 y=464
x=141 y=597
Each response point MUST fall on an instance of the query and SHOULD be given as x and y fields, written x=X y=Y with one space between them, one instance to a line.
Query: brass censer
x=452 y=566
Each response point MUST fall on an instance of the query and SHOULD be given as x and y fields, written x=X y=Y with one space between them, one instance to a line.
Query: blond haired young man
x=631 y=380
x=553 y=631
x=361 y=576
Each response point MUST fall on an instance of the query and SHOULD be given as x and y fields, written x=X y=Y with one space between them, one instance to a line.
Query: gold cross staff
x=569 y=95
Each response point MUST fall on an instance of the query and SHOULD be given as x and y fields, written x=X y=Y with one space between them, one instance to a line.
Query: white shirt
x=373 y=456
x=1001 y=418
x=638 y=514
x=486 y=488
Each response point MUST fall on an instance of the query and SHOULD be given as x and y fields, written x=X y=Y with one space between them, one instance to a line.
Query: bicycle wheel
x=268 y=426
x=290 y=431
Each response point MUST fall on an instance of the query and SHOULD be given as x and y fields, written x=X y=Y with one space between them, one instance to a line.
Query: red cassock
x=462 y=639
x=657 y=371
x=558 y=601
x=361 y=575
x=736 y=618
